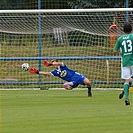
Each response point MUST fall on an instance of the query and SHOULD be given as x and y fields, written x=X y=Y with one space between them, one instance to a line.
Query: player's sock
x=89 y=91
x=126 y=90
x=67 y=87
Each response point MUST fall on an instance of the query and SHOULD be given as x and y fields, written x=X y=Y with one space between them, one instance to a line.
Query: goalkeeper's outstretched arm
x=45 y=73
x=53 y=63
x=35 y=71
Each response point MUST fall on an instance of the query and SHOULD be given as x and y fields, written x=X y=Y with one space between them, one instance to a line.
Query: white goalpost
x=81 y=38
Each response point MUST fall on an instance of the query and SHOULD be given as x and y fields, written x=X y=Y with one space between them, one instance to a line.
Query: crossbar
x=67 y=10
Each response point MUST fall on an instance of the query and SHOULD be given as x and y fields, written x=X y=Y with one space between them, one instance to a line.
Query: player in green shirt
x=125 y=43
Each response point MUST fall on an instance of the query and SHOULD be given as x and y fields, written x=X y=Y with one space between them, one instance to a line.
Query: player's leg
x=131 y=76
x=130 y=85
x=88 y=83
x=126 y=92
x=122 y=92
x=68 y=85
x=82 y=80
x=126 y=74
x=130 y=82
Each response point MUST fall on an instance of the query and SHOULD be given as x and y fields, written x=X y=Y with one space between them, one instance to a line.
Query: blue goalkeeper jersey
x=69 y=75
x=63 y=72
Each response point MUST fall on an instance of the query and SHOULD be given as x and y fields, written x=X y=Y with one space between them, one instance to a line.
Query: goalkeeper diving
x=72 y=78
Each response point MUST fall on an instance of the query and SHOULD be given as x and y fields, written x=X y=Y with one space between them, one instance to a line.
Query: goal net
x=81 y=38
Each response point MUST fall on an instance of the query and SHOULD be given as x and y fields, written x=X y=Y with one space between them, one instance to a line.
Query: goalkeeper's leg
x=88 y=83
x=68 y=85
x=89 y=91
x=80 y=80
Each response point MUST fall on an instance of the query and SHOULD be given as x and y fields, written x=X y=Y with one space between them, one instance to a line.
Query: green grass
x=64 y=112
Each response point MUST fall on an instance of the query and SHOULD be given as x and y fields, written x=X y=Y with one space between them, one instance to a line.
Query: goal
x=81 y=38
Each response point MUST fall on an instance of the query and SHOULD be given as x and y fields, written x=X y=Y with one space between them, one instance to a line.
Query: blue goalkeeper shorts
x=77 y=79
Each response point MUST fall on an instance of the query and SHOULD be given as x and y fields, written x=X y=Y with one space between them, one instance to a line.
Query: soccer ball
x=25 y=67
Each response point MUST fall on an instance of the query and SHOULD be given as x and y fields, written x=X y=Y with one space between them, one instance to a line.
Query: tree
x=81 y=4
x=62 y=4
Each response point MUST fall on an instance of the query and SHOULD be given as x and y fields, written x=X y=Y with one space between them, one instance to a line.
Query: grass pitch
x=58 y=111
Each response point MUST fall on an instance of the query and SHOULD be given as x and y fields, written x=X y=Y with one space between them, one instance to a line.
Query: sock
x=67 y=86
x=89 y=89
x=126 y=90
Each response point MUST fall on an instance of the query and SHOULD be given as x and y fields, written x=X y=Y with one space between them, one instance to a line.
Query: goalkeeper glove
x=33 y=71
x=46 y=63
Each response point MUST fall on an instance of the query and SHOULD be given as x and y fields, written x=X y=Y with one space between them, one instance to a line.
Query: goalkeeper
x=72 y=78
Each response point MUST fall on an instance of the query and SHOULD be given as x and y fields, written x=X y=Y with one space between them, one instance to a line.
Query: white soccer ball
x=25 y=66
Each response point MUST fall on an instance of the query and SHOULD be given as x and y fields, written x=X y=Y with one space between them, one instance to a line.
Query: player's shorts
x=77 y=79
x=126 y=72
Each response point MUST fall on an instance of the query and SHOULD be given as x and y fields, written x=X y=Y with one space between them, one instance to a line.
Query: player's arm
x=116 y=51
x=47 y=63
x=45 y=73
x=35 y=71
x=117 y=46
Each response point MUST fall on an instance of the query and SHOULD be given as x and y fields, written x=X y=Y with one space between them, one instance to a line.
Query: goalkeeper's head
x=55 y=63
x=54 y=60
x=127 y=28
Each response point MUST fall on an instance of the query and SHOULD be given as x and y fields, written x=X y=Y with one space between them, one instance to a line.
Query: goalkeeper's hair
x=54 y=60
x=127 y=28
